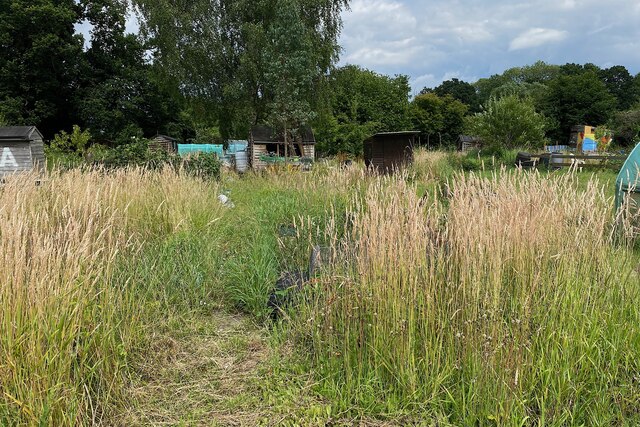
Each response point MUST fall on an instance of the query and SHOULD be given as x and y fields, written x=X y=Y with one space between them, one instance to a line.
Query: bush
x=510 y=122
x=203 y=165
x=133 y=154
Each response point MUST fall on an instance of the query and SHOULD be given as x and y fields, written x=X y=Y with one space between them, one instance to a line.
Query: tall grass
x=255 y=253
x=513 y=303
x=70 y=310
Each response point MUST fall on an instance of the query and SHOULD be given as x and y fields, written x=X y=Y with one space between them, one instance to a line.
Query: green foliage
x=580 y=98
x=202 y=165
x=626 y=127
x=228 y=57
x=40 y=62
x=621 y=84
x=76 y=143
x=509 y=122
x=121 y=94
x=361 y=103
x=519 y=79
x=290 y=68
x=440 y=119
x=208 y=135
x=335 y=137
x=134 y=153
x=459 y=90
x=48 y=80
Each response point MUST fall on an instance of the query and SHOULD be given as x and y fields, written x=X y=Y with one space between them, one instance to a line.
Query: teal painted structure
x=236 y=146
x=186 y=149
x=628 y=181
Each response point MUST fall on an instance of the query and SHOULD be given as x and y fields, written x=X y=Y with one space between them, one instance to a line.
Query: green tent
x=628 y=181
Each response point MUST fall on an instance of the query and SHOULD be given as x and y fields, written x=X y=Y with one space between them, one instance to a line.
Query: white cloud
x=567 y=4
x=537 y=37
x=380 y=33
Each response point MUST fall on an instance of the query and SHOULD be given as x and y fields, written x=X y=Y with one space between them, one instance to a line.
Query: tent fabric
x=629 y=177
x=236 y=146
x=186 y=149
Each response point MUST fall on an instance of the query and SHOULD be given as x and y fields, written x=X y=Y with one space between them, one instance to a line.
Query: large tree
x=291 y=70
x=221 y=51
x=40 y=62
x=620 y=84
x=439 y=119
x=578 y=98
x=457 y=89
x=121 y=95
x=360 y=103
x=521 y=80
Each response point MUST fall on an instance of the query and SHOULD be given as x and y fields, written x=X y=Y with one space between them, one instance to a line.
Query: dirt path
x=204 y=371
x=219 y=370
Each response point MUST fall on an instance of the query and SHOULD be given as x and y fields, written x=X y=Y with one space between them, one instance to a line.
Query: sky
x=436 y=40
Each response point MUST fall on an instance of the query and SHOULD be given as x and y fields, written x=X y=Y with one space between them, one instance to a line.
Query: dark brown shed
x=21 y=149
x=390 y=150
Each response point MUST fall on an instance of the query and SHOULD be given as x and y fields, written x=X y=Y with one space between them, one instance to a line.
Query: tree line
x=524 y=106
x=206 y=71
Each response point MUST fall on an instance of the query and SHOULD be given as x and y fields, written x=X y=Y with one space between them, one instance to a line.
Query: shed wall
x=18 y=151
x=310 y=151
x=386 y=153
x=258 y=150
x=37 y=154
x=163 y=145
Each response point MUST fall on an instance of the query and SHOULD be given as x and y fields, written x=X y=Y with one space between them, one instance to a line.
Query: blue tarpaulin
x=186 y=149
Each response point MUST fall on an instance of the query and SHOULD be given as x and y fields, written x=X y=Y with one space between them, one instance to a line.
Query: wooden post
x=286 y=145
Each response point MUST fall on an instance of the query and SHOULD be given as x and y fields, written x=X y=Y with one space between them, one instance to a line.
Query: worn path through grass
x=201 y=371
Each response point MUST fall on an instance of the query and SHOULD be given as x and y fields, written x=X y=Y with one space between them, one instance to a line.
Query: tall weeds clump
x=68 y=313
x=513 y=305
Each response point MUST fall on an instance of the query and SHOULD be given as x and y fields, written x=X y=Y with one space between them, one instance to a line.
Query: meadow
x=458 y=292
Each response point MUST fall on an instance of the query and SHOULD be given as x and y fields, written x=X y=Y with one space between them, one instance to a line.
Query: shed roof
x=165 y=138
x=469 y=138
x=266 y=134
x=22 y=133
x=402 y=133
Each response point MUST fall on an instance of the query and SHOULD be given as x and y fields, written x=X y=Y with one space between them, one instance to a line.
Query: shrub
x=133 y=154
x=203 y=165
x=510 y=122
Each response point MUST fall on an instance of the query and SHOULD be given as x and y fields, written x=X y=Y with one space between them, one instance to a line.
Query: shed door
x=14 y=157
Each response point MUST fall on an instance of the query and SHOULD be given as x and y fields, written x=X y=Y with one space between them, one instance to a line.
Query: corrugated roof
x=18 y=132
x=266 y=134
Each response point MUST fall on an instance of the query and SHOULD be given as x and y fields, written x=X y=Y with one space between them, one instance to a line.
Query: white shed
x=21 y=149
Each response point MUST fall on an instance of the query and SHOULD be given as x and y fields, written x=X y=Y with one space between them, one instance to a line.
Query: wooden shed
x=469 y=142
x=390 y=150
x=267 y=146
x=21 y=149
x=164 y=143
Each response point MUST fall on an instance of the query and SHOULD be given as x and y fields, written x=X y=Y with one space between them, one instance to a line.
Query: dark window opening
x=279 y=150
